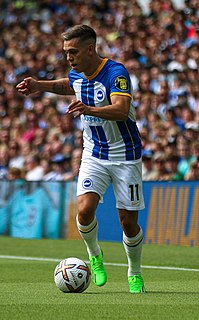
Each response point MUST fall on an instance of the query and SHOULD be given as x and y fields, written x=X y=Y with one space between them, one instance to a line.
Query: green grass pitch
x=27 y=289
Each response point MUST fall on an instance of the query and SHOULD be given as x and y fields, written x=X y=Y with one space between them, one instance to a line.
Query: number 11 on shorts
x=134 y=188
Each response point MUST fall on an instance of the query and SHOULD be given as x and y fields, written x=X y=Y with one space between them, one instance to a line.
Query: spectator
x=159 y=164
x=148 y=171
x=15 y=174
x=59 y=169
x=195 y=149
x=3 y=162
x=78 y=139
x=34 y=171
x=171 y=166
x=16 y=160
x=184 y=152
x=193 y=173
x=192 y=131
x=67 y=129
x=46 y=165
x=193 y=94
x=76 y=160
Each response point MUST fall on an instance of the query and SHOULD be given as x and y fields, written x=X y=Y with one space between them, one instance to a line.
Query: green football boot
x=98 y=272
x=136 y=284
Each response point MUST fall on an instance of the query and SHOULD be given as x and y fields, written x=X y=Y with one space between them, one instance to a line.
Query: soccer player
x=112 y=146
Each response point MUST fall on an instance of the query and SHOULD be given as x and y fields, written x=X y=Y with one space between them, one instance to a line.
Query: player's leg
x=132 y=241
x=127 y=183
x=88 y=228
x=92 y=183
x=87 y=223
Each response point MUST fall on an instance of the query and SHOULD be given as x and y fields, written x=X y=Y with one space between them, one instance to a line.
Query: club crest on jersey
x=121 y=83
x=87 y=183
x=100 y=95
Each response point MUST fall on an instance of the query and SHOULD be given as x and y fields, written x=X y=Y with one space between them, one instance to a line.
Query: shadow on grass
x=136 y=294
x=173 y=292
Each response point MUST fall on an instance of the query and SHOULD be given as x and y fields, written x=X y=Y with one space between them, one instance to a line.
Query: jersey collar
x=97 y=70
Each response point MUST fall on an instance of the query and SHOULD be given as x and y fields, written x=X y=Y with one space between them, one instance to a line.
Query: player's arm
x=30 y=85
x=117 y=110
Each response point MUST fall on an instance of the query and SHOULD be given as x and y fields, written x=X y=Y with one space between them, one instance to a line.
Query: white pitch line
x=106 y=263
x=29 y=258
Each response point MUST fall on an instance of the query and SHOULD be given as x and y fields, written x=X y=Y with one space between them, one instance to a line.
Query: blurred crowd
x=160 y=49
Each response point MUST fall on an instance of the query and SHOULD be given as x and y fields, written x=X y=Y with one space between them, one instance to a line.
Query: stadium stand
x=160 y=49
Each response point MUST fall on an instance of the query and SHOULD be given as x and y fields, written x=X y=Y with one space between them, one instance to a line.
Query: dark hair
x=82 y=31
x=173 y=158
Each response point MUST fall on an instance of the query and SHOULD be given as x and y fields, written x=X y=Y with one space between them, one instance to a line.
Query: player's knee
x=128 y=221
x=86 y=213
x=86 y=206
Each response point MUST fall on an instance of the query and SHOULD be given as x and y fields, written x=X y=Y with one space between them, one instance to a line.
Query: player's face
x=78 y=54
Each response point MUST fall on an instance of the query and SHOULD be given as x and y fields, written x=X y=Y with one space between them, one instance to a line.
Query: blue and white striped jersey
x=105 y=139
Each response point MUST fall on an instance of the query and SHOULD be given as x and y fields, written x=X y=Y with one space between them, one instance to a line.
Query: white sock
x=90 y=236
x=133 y=249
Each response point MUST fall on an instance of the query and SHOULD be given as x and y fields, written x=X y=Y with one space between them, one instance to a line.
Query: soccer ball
x=72 y=275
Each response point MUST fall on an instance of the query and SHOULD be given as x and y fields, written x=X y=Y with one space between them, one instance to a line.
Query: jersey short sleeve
x=120 y=82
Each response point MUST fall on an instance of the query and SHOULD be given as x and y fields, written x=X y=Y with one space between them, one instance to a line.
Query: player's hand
x=78 y=108
x=27 y=86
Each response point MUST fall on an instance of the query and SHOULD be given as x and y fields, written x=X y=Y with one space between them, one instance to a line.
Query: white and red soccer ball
x=72 y=275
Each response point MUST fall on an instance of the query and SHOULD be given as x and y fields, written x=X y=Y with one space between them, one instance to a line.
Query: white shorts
x=96 y=175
